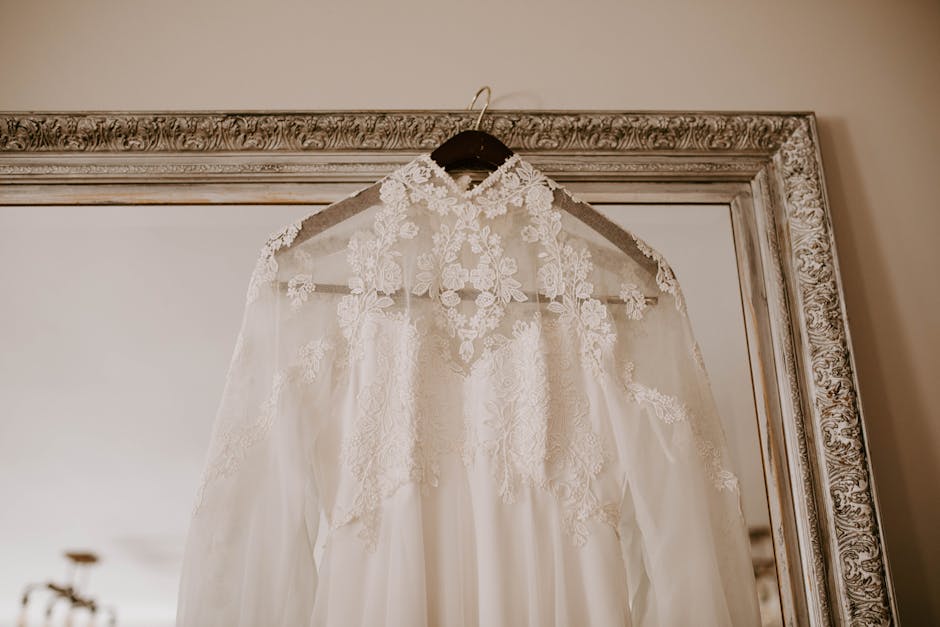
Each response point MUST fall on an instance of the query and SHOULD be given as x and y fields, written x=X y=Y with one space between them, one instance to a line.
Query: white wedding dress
x=463 y=406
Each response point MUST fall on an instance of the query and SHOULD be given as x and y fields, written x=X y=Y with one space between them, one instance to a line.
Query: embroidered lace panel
x=529 y=437
x=563 y=277
x=539 y=433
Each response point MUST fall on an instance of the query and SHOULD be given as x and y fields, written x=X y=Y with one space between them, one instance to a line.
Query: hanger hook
x=486 y=104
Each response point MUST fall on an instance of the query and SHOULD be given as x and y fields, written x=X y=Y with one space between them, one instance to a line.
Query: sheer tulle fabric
x=481 y=412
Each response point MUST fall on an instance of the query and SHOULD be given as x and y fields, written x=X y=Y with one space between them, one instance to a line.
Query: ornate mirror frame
x=765 y=165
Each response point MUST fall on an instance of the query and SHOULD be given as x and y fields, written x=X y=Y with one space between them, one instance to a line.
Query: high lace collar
x=490 y=180
x=508 y=184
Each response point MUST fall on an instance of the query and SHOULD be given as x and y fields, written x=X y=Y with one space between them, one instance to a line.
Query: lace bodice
x=467 y=349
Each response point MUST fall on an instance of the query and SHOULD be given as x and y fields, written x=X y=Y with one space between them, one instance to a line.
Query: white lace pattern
x=537 y=430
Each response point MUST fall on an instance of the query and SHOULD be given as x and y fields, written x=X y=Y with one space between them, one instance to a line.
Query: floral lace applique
x=299 y=289
x=232 y=446
x=671 y=410
x=266 y=267
x=393 y=441
x=563 y=278
x=376 y=273
x=665 y=277
x=541 y=439
x=301 y=285
x=634 y=300
x=440 y=273
x=442 y=276
x=721 y=477
x=311 y=355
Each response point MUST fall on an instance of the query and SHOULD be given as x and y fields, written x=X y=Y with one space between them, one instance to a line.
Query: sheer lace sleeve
x=249 y=554
x=683 y=535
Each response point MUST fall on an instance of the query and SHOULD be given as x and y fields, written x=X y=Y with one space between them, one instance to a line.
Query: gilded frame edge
x=844 y=571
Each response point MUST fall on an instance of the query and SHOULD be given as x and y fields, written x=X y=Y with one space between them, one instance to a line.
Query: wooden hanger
x=473 y=148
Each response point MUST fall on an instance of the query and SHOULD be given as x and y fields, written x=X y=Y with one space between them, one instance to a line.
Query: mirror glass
x=117 y=326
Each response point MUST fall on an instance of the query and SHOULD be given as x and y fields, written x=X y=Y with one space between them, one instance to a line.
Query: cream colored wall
x=868 y=69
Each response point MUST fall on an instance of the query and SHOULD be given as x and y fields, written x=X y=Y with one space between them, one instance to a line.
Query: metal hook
x=489 y=92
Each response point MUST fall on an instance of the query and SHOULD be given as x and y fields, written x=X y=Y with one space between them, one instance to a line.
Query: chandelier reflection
x=81 y=610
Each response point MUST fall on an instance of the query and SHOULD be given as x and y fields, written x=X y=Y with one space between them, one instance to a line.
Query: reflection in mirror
x=113 y=317
x=698 y=242
x=117 y=326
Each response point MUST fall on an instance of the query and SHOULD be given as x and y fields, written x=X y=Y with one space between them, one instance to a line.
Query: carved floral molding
x=406 y=131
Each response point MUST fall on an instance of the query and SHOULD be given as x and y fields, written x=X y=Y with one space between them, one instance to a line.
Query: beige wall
x=868 y=69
